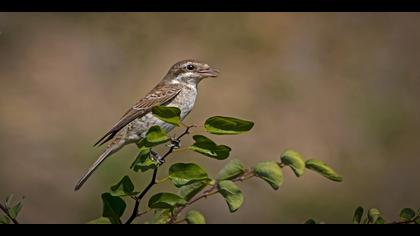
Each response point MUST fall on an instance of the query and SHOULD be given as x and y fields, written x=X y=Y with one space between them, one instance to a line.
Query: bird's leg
x=156 y=157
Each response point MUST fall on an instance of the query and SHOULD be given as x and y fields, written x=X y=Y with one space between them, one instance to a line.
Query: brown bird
x=178 y=89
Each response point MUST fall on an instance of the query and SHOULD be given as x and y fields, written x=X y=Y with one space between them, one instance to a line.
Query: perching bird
x=178 y=89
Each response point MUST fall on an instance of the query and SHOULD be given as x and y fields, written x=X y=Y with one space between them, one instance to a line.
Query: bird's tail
x=108 y=152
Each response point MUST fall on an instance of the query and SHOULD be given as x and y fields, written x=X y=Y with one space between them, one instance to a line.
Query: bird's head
x=191 y=72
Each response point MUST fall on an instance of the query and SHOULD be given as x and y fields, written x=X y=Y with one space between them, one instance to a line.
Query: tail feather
x=108 y=136
x=108 y=152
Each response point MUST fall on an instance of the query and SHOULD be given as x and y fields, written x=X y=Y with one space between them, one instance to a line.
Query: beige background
x=340 y=87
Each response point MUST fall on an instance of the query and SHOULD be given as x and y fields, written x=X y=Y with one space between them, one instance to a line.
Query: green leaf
x=294 y=160
x=190 y=190
x=366 y=221
x=185 y=173
x=113 y=207
x=100 y=220
x=271 y=172
x=166 y=200
x=323 y=169
x=195 y=217
x=209 y=148
x=373 y=215
x=227 y=125
x=231 y=170
x=417 y=221
x=154 y=136
x=310 y=222
x=9 y=200
x=161 y=216
x=380 y=221
x=171 y=115
x=232 y=194
x=123 y=188
x=407 y=214
x=14 y=211
x=358 y=214
x=4 y=220
x=143 y=161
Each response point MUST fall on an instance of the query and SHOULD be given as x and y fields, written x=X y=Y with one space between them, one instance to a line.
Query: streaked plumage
x=178 y=88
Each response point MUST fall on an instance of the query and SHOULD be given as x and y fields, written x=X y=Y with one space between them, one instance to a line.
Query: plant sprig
x=153 y=181
x=11 y=211
x=193 y=182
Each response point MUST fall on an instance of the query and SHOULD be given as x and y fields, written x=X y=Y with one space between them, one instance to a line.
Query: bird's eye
x=190 y=67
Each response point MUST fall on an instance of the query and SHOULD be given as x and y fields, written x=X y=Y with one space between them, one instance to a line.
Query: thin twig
x=144 y=212
x=159 y=181
x=187 y=131
x=153 y=181
x=180 y=221
x=248 y=173
x=6 y=211
x=209 y=192
x=412 y=221
x=141 y=195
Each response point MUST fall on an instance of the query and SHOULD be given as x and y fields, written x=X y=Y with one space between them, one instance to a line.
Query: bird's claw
x=156 y=157
x=175 y=143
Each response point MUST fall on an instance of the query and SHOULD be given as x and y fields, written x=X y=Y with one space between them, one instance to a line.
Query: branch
x=6 y=211
x=152 y=182
x=209 y=192
x=412 y=221
x=140 y=197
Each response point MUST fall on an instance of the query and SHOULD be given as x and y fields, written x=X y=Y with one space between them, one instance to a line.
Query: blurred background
x=340 y=87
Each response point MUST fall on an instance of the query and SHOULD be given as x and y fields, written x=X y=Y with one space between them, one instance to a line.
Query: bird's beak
x=210 y=72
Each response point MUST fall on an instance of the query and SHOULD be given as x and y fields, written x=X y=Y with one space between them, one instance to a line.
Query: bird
x=178 y=88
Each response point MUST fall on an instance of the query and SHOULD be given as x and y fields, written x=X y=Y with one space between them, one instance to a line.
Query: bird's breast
x=185 y=100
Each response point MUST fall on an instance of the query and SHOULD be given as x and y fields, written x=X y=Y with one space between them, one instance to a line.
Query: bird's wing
x=162 y=94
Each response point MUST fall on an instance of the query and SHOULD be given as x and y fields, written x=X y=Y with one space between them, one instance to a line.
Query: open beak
x=210 y=72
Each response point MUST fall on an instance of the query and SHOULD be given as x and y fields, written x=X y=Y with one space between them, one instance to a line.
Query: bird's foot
x=175 y=143
x=156 y=157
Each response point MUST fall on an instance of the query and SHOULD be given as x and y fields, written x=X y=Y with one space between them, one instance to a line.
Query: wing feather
x=162 y=94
